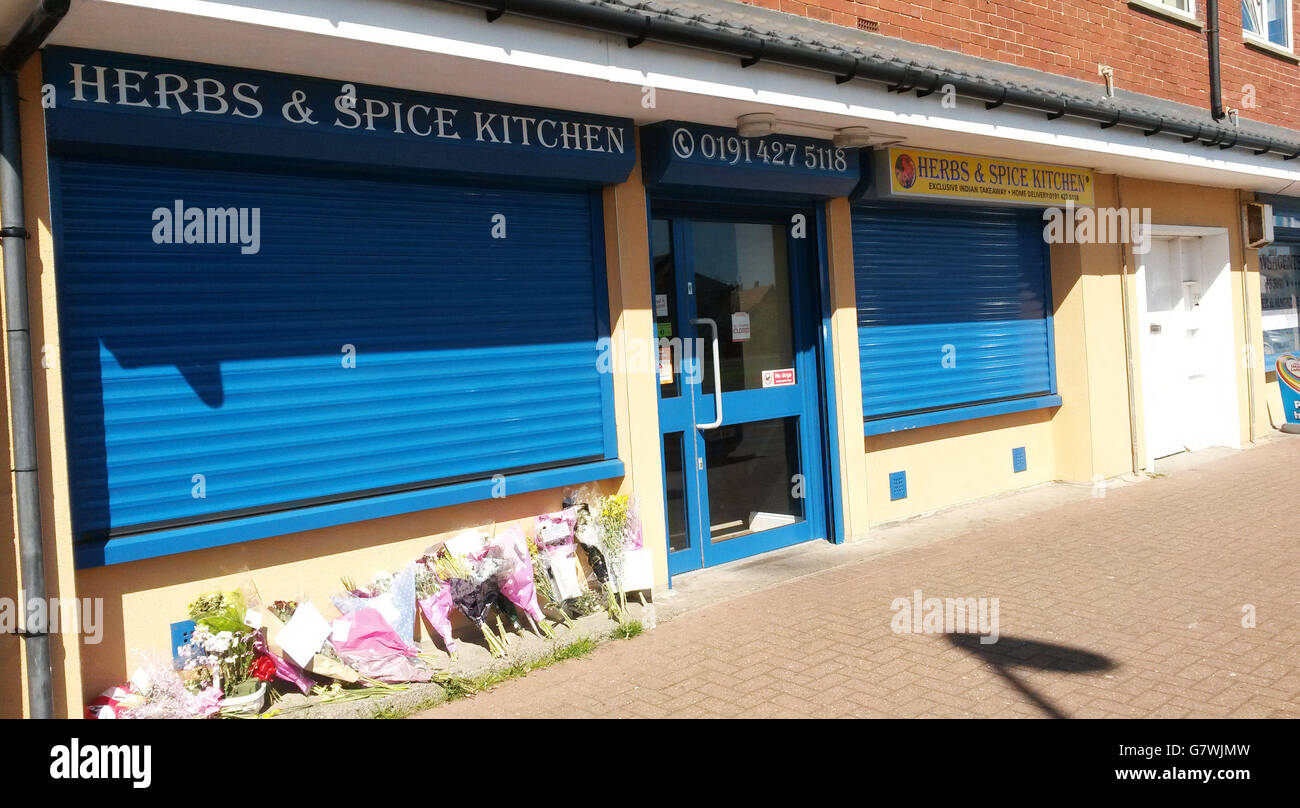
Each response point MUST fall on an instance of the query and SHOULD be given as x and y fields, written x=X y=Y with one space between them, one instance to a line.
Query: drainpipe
x=1249 y=336
x=1212 y=42
x=13 y=235
x=1126 y=309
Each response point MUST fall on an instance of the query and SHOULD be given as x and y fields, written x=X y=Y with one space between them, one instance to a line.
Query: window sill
x=235 y=531
x=1167 y=13
x=884 y=426
x=1264 y=46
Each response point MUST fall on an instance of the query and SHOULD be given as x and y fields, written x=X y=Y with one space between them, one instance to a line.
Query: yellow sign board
x=922 y=173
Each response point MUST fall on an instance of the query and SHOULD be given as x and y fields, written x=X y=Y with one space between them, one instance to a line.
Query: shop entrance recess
x=735 y=304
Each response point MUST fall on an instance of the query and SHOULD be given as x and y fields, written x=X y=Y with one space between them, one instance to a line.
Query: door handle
x=717 y=373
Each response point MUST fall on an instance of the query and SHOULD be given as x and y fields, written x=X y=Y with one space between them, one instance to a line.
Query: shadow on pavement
x=1009 y=653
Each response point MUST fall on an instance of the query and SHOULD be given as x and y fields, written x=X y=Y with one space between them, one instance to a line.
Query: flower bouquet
x=392 y=595
x=474 y=591
x=559 y=575
x=516 y=579
x=367 y=643
x=544 y=585
x=433 y=597
x=610 y=531
x=222 y=650
x=299 y=636
x=220 y=611
x=225 y=660
x=155 y=690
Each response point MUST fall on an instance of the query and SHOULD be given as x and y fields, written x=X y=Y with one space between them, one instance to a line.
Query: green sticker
x=664 y=329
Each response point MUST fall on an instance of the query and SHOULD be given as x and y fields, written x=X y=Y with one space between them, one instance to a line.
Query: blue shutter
x=969 y=284
x=473 y=355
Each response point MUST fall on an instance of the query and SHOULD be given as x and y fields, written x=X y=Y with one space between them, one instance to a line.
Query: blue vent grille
x=897 y=485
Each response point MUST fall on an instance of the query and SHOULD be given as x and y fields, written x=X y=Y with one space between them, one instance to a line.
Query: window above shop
x=1267 y=22
x=1183 y=11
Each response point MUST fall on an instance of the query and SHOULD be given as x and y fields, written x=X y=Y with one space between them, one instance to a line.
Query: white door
x=1164 y=375
x=1188 y=372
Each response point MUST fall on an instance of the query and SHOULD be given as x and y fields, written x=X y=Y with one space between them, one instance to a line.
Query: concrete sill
x=1166 y=13
x=967 y=412
x=1264 y=46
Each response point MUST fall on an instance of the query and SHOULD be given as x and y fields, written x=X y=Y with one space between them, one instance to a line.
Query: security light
x=755 y=124
x=852 y=137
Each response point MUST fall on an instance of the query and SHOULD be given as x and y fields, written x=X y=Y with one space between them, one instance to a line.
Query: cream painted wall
x=1092 y=427
x=953 y=463
x=848 y=376
x=627 y=250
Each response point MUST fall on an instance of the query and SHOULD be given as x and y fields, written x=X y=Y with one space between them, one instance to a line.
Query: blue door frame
x=805 y=400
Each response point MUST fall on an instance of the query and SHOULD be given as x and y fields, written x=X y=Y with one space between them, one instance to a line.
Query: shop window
x=1279 y=273
x=954 y=313
x=387 y=336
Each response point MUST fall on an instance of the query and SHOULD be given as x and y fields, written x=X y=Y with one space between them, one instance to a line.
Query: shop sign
x=129 y=100
x=904 y=172
x=686 y=154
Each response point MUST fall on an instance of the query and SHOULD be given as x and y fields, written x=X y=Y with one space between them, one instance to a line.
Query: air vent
x=181 y=636
x=868 y=25
x=897 y=485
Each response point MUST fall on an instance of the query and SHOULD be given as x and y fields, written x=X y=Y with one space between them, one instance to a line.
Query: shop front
x=954 y=306
x=355 y=321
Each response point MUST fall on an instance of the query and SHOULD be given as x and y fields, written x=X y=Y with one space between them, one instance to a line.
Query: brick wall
x=1149 y=53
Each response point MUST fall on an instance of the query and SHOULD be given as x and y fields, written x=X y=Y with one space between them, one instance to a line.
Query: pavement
x=1177 y=596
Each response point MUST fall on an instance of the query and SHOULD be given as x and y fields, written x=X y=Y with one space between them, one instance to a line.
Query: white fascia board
x=439 y=47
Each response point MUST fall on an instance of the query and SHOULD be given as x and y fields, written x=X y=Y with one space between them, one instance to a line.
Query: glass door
x=738 y=385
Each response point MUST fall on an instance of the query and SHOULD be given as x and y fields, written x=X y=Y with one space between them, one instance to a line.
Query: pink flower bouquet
x=515 y=578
